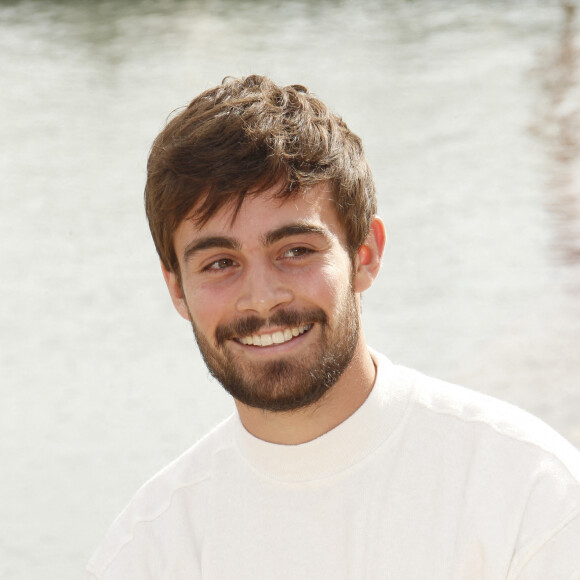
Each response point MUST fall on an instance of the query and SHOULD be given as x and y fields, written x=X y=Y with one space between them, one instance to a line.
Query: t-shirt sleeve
x=555 y=556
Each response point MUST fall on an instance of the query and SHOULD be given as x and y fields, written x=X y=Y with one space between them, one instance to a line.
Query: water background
x=470 y=116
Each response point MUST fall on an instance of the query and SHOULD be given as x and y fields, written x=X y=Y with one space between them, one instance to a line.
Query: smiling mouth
x=278 y=337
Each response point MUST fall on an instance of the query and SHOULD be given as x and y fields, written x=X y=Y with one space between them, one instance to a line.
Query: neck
x=337 y=405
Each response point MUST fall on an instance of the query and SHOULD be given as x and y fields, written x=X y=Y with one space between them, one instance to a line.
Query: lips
x=277 y=337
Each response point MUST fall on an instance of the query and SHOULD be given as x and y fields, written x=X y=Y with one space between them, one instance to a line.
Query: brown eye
x=296 y=252
x=222 y=264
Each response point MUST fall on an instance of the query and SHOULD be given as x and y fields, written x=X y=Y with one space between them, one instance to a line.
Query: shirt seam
x=497 y=429
x=530 y=551
x=162 y=510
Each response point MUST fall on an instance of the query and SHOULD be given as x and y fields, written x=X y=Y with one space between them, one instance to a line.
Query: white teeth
x=278 y=337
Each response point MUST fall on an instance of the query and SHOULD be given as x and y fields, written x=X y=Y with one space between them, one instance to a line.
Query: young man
x=337 y=464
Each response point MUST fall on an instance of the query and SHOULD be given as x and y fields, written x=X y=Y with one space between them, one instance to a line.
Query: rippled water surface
x=470 y=116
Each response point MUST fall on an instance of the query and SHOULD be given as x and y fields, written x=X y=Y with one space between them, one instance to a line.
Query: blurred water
x=470 y=115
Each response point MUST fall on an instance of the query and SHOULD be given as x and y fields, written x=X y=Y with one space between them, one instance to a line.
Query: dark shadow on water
x=557 y=126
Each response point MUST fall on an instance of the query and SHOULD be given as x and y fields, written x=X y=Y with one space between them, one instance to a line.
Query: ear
x=176 y=292
x=369 y=256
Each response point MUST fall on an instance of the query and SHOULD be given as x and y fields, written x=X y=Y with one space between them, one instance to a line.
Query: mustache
x=252 y=324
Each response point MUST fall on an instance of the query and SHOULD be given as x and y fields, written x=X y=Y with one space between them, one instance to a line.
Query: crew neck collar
x=343 y=446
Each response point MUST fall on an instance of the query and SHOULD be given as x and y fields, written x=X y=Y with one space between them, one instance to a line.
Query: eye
x=219 y=265
x=297 y=252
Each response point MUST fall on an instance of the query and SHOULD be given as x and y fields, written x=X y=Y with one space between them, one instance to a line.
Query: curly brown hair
x=247 y=136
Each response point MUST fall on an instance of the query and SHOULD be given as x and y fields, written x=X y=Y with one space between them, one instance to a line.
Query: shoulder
x=499 y=457
x=493 y=417
x=189 y=470
x=454 y=418
x=516 y=456
x=504 y=445
x=159 y=503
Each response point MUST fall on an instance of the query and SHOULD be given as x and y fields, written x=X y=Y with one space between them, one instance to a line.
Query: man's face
x=270 y=297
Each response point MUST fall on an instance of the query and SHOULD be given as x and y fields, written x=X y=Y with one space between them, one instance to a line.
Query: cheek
x=329 y=285
x=207 y=306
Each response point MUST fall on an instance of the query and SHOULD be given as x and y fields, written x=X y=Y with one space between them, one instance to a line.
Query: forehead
x=262 y=212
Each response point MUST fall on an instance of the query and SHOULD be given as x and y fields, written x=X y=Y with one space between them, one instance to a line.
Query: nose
x=263 y=290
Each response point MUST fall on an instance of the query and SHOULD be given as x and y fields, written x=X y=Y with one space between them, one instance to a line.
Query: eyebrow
x=208 y=244
x=269 y=238
x=293 y=230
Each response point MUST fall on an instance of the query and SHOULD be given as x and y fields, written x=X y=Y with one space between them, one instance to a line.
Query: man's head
x=247 y=136
x=262 y=205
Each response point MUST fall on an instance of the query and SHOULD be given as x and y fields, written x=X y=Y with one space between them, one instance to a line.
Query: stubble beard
x=287 y=383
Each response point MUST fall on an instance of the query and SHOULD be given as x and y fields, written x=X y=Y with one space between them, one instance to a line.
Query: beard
x=290 y=382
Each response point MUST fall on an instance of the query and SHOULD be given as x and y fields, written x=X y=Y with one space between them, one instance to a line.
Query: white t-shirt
x=426 y=480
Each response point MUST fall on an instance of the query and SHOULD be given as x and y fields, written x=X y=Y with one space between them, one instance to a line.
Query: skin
x=259 y=263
